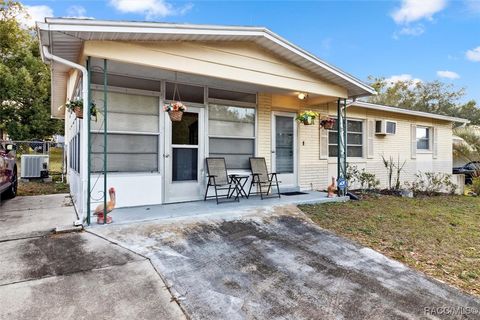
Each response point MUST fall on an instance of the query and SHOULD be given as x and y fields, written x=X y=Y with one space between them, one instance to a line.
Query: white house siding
x=264 y=115
x=315 y=172
x=398 y=146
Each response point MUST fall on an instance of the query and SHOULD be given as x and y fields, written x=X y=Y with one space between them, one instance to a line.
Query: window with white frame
x=231 y=132
x=354 y=139
x=423 y=138
x=132 y=132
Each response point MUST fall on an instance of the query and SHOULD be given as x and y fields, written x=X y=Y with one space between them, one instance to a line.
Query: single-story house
x=242 y=87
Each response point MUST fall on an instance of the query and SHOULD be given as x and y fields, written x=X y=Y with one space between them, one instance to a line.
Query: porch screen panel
x=133 y=133
x=125 y=152
x=232 y=134
x=235 y=151
x=127 y=112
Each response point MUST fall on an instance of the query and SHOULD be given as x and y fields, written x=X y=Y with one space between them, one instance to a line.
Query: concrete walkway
x=75 y=275
x=279 y=265
x=198 y=210
x=34 y=216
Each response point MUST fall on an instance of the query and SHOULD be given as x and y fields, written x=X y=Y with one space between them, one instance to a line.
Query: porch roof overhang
x=66 y=37
x=379 y=107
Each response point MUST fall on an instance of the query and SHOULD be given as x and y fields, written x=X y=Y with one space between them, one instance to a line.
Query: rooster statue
x=331 y=189
x=110 y=207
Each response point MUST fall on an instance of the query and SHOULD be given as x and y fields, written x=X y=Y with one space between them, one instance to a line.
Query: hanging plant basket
x=307 y=117
x=175 y=110
x=327 y=123
x=309 y=121
x=175 y=116
x=78 y=112
x=76 y=106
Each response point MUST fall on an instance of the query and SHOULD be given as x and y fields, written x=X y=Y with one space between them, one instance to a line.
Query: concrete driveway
x=74 y=275
x=281 y=266
x=23 y=217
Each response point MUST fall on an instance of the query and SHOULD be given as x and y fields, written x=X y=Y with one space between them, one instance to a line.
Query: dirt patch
x=55 y=255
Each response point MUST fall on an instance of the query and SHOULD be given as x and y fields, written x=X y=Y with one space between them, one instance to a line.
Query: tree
x=24 y=80
x=469 y=148
x=435 y=97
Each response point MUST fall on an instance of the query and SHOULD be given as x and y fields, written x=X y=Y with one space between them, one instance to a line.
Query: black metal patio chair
x=264 y=181
x=219 y=179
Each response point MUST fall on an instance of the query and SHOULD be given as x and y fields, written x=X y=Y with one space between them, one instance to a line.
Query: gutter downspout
x=84 y=135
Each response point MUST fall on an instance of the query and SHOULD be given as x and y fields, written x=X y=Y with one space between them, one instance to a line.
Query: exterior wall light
x=302 y=96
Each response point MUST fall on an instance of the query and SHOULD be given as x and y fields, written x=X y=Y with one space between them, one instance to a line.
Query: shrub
x=392 y=167
x=476 y=185
x=432 y=183
x=352 y=174
x=368 y=181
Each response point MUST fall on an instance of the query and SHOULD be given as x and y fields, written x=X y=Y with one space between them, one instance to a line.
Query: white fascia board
x=153 y=25
x=379 y=107
x=304 y=54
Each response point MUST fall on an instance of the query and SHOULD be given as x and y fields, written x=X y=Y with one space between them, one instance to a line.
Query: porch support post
x=341 y=137
x=345 y=141
x=105 y=96
x=89 y=148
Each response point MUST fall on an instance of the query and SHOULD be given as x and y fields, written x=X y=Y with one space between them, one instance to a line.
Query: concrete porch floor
x=209 y=208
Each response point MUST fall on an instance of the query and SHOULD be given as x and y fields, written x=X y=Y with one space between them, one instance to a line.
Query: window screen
x=232 y=134
x=74 y=152
x=125 y=152
x=391 y=127
x=423 y=138
x=354 y=139
x=231 y=95
x=133 y=133
x=184 y=92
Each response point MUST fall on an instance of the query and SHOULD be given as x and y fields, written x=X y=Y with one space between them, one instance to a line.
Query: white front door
x=284 y=149
x=184 y=156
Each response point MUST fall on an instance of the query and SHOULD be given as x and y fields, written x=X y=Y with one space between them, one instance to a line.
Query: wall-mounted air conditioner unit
x=34 y=166
x=384 y=127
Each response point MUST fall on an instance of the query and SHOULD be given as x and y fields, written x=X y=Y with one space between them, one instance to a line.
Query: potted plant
x=175 y=110
x=327 y=123
x=307 y=117
x=76 y=106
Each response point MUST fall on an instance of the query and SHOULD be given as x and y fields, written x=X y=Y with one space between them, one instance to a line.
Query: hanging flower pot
x=175 y=110
x=308 y=121
x=78 y=112
x=327 y=123
x=307 y=117
x=76 y=106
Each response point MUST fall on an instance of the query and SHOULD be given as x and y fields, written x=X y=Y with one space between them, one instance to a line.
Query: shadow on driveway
x=284 y=267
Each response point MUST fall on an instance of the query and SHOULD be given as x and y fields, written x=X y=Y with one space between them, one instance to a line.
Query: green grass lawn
x=439 y=236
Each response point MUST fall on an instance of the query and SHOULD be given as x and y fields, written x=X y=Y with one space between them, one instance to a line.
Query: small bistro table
x=240 y=182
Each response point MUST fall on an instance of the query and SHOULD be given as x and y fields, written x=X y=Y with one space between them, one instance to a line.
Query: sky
x=422 y=40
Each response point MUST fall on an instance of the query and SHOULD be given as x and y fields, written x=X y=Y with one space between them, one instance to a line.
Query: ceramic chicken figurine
x=331 y=189
x=110 y=207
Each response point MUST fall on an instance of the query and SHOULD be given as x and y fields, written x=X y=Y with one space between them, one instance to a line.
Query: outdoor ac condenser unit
x=34 y=166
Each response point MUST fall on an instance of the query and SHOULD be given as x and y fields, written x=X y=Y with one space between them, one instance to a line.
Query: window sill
x=349 y=159
x=422 y=151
